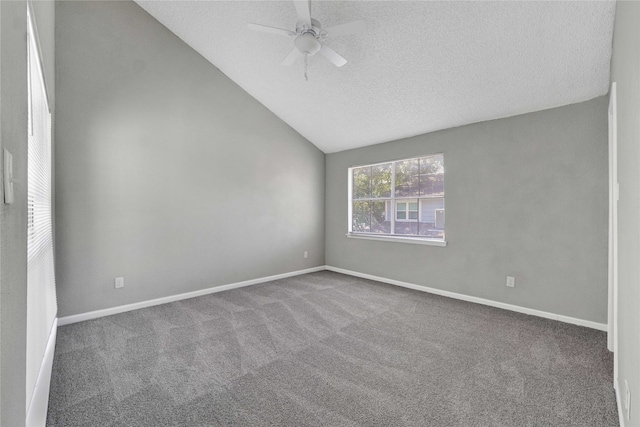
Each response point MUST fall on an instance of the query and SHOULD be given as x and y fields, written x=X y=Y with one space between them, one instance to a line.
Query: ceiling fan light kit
x=307 y=44
x=309 y=37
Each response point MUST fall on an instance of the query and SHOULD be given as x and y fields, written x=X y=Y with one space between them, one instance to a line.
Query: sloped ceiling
x=421 y=66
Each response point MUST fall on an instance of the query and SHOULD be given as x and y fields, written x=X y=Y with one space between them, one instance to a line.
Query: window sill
x=398 y=239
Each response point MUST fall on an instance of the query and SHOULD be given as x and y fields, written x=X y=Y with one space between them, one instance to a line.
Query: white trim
x=612 y=332
x=398 y=239
x=37 y=413
x=392 y=205
x=349 y=204
x=390 y=201
x=505 y=306
x=616 y=387
x=440 y=153
x=144 y=304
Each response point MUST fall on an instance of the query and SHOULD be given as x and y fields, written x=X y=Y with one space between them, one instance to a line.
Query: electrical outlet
x=119 y=282
x=511 y=281
x=306 y=254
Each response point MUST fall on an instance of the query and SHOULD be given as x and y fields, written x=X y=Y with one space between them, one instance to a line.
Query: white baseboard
x=505 y=306
x=616 y=387
x=37 y=413
x=144 y=304
x=121 y=309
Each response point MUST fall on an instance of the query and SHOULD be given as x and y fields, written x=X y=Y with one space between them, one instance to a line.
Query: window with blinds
x=40 y=233
x=41 y=291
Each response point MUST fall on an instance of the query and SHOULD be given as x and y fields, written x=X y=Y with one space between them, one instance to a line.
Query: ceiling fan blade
x=332 y=56
x=272 y=30
x=303 y=7
x=345 y=29
x=291 y=57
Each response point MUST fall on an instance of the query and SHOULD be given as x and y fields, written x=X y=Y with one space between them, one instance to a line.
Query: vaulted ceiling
x=419 y=67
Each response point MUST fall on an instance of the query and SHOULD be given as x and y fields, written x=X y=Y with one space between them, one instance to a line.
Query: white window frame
x=391 y=237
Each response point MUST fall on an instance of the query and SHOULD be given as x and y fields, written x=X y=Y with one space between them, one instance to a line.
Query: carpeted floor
x=325 y=349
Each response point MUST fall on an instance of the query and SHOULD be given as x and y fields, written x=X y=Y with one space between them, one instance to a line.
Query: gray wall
x=13 y=228
x=13 y=224
x=167 y=172
x=525 y=196
x=625 y=71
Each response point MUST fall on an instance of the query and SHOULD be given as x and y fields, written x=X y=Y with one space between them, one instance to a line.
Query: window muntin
x=403 y=198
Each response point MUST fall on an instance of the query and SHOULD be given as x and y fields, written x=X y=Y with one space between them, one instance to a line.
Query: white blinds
x=41 y=291
x=40 y=236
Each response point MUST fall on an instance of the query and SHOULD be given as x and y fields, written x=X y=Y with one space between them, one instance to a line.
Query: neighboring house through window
x=406 y=210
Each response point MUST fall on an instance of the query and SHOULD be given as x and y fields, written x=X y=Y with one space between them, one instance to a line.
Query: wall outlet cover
x=511 y=281
x=119 y=282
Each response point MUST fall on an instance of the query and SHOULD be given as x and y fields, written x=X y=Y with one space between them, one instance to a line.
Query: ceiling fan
x=309 y=36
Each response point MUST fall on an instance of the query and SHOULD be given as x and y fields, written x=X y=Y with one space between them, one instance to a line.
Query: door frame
x=614 y=194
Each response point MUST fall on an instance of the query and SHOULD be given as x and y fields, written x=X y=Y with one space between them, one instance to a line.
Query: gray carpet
x=325 y=349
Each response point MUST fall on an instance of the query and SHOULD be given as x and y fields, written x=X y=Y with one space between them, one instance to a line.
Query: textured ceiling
x=421 y=66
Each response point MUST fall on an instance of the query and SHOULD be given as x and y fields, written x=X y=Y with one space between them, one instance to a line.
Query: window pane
x=427 y=230
x=407 y=178
x=402 y=215
x=362 y=182
x=432 y=185
x=379 y=221
x=381 y=180
x=361 y=217
x=432 y=218
x=413 y=206
x=406 y=227
x=432 y=165
x=402 y=206
x=413 y=215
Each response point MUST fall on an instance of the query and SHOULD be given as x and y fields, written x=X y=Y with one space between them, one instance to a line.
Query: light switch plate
x=8 y=177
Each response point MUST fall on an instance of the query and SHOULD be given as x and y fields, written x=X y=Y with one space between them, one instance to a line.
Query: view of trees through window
x=404 y=197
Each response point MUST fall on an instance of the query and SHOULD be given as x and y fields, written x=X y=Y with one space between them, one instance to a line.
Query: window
x=41 y=285
x=403 y=198
x=406 y=210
